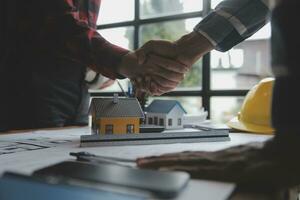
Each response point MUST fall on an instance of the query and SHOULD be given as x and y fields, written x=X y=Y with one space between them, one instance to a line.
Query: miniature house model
x=115 y=115
x=166 y=113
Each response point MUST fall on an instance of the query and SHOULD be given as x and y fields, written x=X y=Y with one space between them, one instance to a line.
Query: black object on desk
x=162 y=184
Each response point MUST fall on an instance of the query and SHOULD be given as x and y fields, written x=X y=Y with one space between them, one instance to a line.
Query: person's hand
x=187 y=50
x=159 y=66
x=155 y=75
x=272 y=164
x=151 y=52
x=191 y=47
x=225 y=165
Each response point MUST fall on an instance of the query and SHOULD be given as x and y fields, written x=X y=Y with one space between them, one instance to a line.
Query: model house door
x=109 y=129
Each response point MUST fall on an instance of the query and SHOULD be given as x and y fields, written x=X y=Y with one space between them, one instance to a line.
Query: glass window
x=158 y=8
x=156 y=120
x=161 y=122
x=150 y=120
x=170 y=122
x=240 y=68
x=224 y=109
x=130 y=128
x=172 y=31
x=179 y=122
x=122 y=36
x=244 y=65
x=112 y=11
x=109 y=129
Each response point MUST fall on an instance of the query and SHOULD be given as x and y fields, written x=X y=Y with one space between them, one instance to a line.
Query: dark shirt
x=285 y=63
x=44 y=51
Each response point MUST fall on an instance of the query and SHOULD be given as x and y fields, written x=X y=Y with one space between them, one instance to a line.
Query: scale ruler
x=155 y=138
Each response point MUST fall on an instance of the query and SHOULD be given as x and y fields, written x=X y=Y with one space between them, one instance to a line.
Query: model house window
x=130 y=128
x=244 y=65
x=161 y=122
x=179 y=122
x=109 y=129
x=156 y=120
x=150 y=120
x=170 y=122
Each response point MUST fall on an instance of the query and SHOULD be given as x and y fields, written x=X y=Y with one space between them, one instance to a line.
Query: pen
x=86 y=156
x=122 y=88
x=202 y=128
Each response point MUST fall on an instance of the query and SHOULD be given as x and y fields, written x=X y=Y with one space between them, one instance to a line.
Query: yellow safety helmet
x=255 y=113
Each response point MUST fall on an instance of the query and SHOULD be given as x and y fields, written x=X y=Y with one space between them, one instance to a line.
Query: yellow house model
x=115 y=115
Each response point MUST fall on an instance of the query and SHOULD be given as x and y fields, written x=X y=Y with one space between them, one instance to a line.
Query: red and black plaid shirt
x=67 y=28
x=99 y=54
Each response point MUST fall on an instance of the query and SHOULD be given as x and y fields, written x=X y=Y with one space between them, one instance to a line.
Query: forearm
x=68 y=35
x=107 y=57
x=233 y=21
x=192 y=47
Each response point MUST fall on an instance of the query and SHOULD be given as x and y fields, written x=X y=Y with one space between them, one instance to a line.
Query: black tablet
x=163 y=184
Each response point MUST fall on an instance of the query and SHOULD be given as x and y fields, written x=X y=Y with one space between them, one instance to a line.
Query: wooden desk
x=28 y=161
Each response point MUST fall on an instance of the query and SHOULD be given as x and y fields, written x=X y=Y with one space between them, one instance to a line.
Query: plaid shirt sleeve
x=232 y=21
x=70 y=28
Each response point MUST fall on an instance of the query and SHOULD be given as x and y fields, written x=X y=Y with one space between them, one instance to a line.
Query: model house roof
x=163 y=106
x=120 y=107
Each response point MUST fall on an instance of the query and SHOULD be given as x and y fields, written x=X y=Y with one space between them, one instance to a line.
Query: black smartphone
x=163 y=184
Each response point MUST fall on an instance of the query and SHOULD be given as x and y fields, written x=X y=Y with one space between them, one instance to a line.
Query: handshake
x=159 y=66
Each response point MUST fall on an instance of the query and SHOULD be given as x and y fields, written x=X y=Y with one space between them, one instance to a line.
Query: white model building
x=166 y=113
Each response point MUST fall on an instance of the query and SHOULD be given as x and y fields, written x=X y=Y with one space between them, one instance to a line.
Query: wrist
x=191 y=47
x=128 y=63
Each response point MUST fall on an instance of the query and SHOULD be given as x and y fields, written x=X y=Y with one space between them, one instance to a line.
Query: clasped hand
x=155 y=67
x=159 y=66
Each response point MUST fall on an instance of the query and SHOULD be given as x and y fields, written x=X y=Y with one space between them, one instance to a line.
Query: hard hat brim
x=243 y=126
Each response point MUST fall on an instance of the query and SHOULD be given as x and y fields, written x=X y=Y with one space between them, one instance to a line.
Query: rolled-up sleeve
x=233 y=21
x=68 y=33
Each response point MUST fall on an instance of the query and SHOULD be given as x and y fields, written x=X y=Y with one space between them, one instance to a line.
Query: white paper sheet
x=34 y=140
x=28 y=161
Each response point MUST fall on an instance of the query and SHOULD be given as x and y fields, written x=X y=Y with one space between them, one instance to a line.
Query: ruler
x=184 y=136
